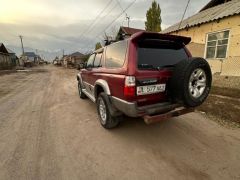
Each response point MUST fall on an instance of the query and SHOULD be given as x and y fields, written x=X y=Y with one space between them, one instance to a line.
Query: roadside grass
x=223 y=106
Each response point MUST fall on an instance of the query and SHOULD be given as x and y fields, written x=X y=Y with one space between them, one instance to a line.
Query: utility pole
x=37 y=56
x=21 y=43
x=63 y=52
x=128 y=19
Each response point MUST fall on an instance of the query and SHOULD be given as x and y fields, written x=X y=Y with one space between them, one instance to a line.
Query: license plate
x=150 y=89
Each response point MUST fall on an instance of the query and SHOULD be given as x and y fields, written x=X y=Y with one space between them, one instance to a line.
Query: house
x=31 y=56
x=126 y=32
x=5 y=59
x=29 y=59
x=13 y=57
x=73 y=59
x=65 y=60
x=76 y=58
x=215 y=33
x=62 y=60
x=56 y=61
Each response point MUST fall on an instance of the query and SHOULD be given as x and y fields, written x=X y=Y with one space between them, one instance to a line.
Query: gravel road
x=47 y=132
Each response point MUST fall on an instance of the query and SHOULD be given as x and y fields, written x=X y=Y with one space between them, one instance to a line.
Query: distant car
x=149 y=75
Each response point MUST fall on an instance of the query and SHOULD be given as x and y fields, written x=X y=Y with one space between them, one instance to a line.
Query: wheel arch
x=101 y=85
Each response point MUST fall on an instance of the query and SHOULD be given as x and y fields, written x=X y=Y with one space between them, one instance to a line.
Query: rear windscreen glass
x=159 y=54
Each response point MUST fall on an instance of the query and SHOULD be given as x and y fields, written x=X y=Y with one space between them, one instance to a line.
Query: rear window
x=156 y=54
x=115 y=54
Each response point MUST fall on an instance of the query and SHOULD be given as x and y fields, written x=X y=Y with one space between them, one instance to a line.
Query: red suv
x=149 y=75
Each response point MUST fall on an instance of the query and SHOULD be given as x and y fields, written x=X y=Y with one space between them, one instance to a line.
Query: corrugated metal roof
x=3 y=48
x=130 y=31
x=10 y=51
x=77 y=54
x=30 y=54
x=218 y=12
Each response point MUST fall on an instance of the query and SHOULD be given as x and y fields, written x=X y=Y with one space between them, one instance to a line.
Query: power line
x=183 y=14
x=127 y=17
x=89 y=26
x=90 y=30
x=120 y=5
x=117 y=17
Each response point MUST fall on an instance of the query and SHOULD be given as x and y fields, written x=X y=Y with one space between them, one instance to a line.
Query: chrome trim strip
x=89 y=95
x=88 y=84
x=123 y=101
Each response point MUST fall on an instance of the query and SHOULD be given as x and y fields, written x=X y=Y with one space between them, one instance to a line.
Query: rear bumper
x=131 y=109
x=160 y=117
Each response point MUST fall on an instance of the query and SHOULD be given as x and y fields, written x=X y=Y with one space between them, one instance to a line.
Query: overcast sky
x=53 y=25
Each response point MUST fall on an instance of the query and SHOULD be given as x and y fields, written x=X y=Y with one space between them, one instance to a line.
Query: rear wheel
x=80 y=92
x=191 y=82
x=106 y=119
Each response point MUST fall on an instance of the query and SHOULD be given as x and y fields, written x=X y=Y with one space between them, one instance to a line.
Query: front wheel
x=80 y=92
x=106 y=119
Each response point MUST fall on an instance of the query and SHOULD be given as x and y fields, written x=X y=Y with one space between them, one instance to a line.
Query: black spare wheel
x=191 y=81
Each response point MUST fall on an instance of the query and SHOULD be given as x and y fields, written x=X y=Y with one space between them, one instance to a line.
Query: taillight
x=130 y=86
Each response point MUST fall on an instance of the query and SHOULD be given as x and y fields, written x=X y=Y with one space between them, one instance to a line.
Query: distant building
x=14 y=58
x=73 y=59
x=5 y=59
x=126 y=32
x=62 y=60
x=215 y=33
x=57 y=61
x=31 y=56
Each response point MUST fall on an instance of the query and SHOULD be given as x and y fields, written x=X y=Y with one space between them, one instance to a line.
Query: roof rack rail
x=108 y=42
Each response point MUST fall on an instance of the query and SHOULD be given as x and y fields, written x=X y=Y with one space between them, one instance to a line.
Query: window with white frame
x=217 y=44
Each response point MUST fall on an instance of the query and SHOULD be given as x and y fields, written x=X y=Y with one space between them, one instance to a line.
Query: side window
x=115 y=55
x=98 y=59
x=90 y=61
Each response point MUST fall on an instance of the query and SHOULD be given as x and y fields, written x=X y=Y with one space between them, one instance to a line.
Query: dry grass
x=232 y=82
x=223 y=104
x=223 y=109
x=225 y=91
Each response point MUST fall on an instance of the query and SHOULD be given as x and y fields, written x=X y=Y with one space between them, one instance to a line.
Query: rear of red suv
x=151 y=62
x=148 y=76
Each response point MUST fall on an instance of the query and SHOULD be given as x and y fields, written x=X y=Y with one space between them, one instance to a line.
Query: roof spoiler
x=151 y=35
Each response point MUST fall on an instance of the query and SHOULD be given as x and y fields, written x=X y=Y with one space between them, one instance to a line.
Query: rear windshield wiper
x=166 y=66
x=151 y=67
x=147 y=66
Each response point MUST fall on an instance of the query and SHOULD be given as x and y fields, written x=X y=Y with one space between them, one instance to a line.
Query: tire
x=106 y=119
x=191 y=82
x=80 y=92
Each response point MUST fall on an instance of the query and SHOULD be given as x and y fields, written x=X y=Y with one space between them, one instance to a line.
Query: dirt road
x=47 y=132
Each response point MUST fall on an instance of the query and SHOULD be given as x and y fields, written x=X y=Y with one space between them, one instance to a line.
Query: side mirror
x=80 y=66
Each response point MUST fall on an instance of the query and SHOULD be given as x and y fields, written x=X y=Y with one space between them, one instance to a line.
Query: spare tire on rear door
x=191 y=81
